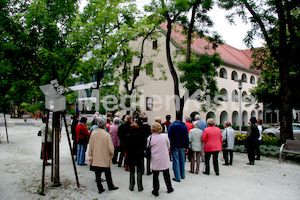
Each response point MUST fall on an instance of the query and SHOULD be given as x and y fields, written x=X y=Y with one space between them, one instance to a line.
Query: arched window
x=235 y=96
x=253 y=113
x=244 y=96
x=260 y=114
x=234 y=76
x=211 y=115
x=224 y=95
x=235 y=118
x=245 y=118
x=223 y=73
x=223 y=117
x=244 y=78
x=252 y=80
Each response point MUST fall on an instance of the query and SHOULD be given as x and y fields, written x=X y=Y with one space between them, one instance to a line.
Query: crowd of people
x=123 y=141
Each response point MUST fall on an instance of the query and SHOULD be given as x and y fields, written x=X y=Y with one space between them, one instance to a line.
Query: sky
x=232 y=35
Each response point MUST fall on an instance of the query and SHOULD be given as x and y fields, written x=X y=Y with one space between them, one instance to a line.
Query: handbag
x=148 y=149
x=225 y=144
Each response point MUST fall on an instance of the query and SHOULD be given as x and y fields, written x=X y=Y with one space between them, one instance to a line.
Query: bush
x=240 y=139
x=266 y=140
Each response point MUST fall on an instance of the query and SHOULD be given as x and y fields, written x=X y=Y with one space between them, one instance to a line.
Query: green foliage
x=266 y=140
x=200 y=74
x=277 y=22
x=45 y=40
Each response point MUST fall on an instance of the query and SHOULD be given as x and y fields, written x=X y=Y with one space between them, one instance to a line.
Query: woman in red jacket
x=82 y=140
x=212 y=137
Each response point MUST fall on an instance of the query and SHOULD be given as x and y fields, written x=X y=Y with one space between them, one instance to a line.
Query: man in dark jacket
x=179 y=139
x=251 y=140
x=145 y=131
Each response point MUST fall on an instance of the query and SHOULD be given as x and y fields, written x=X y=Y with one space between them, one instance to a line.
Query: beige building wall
x=162 y=91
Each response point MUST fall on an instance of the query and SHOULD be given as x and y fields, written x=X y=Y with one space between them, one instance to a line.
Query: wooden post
x=52 y=151
x=71 y=150
x=44 y=156
x=6 y=128
x=56 y=119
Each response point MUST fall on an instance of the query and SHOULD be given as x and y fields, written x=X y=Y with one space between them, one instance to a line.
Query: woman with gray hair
x=115 y=138
x=195 y=137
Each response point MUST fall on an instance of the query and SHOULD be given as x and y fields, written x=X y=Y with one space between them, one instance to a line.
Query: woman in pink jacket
x=212 y=137
x=160 y=145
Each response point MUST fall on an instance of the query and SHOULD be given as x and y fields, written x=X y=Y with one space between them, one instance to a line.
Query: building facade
x=157 y=97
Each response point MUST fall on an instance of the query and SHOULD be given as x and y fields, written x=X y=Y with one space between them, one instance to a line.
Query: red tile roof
x=229 y=54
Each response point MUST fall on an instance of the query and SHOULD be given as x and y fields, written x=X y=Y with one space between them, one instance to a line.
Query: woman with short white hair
x=195 y=136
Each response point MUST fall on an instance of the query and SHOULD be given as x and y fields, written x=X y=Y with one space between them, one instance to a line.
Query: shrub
x=266 y=140
x=240 y=139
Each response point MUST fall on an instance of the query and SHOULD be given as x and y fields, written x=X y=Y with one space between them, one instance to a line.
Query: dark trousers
x=148 y=160
x=106 y=170
x=114 y=159
x=74 y=148
x=257 y=149
x=215 y=161
x=226 y=152
x=120 y=162
x=140 y=171
x=167 y=179
x=251 y=153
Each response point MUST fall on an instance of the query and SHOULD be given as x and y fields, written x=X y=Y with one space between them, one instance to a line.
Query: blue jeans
x=81 y=154
x=178 y=155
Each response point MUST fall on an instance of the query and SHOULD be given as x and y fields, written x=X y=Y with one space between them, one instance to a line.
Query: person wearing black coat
x=73 y=132
x=251 y=140
x=123 y=131
x=135 y=146
x=145 y=131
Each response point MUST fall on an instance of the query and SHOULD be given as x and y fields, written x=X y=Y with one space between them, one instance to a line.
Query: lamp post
x=240 y=118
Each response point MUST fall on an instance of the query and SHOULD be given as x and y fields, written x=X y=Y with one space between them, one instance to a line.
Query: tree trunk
x=171 y=67
x=56 y=122
x=286 y=119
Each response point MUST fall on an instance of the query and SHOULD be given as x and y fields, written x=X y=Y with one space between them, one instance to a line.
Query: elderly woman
x=212 y=137
x=101 y=150
x=195 y=137
x=135 y=146
x=251 y=140
x=158 y=120
x=115 y=138
x=160 y=146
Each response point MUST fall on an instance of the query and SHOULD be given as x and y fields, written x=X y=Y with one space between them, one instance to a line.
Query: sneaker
x=174 y=179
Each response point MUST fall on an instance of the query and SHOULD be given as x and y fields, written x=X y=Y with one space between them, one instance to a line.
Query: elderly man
x=228 y=136
x=101 y=150
x=212 y=137
x=203 y=124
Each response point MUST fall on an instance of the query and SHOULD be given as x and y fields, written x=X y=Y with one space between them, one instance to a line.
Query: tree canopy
x=277 y=22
